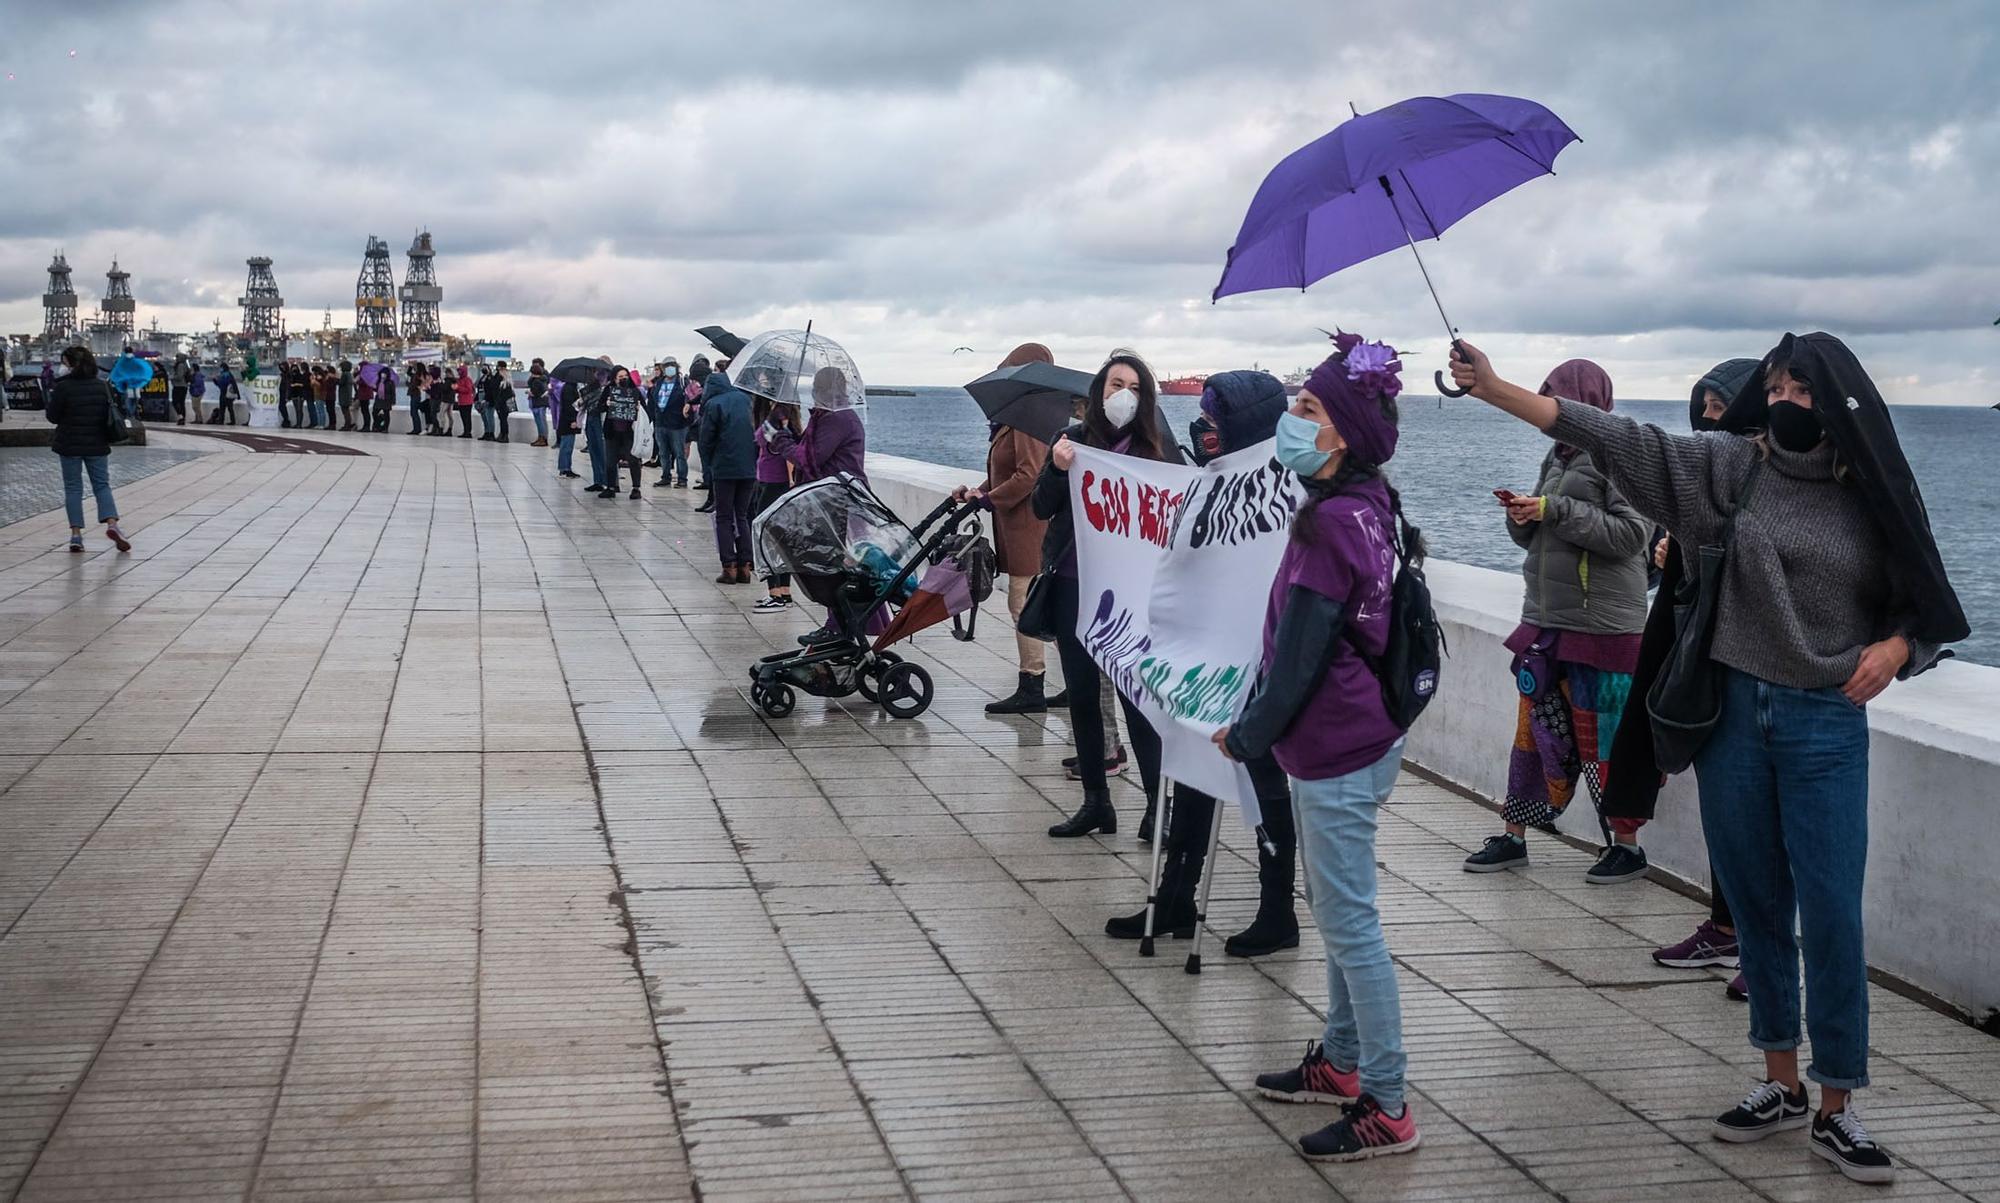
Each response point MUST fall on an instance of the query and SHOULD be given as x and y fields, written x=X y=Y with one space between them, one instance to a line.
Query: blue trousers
x=486 y=419
x=1784 y=802
x=565 y=447
x=593 y=433
x=673 y=454
x=73 y=468
x=1336 y=820
x=541 y=413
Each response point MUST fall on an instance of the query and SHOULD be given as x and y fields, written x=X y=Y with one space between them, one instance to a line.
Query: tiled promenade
x=324 y=812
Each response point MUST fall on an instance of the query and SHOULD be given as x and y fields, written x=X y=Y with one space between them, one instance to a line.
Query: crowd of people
x=1789 y=510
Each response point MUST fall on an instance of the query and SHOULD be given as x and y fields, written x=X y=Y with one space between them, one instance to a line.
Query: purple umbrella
x=1384 y=179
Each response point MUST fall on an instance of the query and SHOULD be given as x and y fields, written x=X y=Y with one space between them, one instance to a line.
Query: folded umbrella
x=722 y=340
x=1384 y=179
x=945 y=591
x=1033 y=398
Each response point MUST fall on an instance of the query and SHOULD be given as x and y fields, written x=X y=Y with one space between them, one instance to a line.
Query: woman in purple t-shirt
x=1318 y=708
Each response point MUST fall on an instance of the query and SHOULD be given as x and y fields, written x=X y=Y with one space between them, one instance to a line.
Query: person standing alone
x=85 y=410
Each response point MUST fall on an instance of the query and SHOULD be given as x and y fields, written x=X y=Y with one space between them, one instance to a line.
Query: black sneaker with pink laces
x=1313 y=1080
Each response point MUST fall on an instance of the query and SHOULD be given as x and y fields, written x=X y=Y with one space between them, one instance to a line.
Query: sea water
x=1451 y=458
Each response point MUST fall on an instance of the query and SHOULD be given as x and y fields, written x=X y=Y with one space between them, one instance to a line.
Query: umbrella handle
x=1445 y=389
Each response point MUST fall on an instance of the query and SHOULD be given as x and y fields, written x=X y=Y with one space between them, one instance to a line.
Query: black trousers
x=1194 y=811
x=1086 y=721
x=768 y=492
x=618 y=451
x=180 y=396
x=464 y=418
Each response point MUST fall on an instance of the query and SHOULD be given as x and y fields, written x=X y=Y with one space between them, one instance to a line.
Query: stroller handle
x=944 y=507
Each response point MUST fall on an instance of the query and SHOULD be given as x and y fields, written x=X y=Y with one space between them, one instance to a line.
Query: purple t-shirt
x=1344 y=726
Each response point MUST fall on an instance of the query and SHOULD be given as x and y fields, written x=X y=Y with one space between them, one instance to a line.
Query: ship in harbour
x=1191 y=384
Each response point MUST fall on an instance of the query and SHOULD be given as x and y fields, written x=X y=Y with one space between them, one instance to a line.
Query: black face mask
x=1794 y=427
x=1205 y=439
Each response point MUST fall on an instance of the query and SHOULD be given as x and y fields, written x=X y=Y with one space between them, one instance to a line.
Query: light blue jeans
x=73 y=468
x=1364 y=1017
x=541 y=421
x=1784 y=800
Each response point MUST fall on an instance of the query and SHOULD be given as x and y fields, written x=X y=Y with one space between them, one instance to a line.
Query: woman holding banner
x=1120 y=416
x=1318 y=708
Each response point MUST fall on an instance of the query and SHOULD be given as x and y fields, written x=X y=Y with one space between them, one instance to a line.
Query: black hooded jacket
x=1244 y=408
x=1864 y=438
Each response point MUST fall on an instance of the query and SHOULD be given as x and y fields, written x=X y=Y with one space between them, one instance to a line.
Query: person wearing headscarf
x=1121 y=415
x=1832 y=588
x=1238 y=410
x=1582 y=611
x=834 y=439
x=1635 y=792
x=1318 y=708
x=1014 y=460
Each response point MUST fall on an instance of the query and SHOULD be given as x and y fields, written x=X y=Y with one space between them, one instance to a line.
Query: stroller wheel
x=905 y=690
x=777 y=701
x=868 y=678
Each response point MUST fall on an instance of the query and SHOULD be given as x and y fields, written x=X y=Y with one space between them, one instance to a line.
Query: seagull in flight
x=956 y=350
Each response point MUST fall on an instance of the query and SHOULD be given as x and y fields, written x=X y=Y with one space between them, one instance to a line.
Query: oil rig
x=117 y=311
x=375 y=294
x=420 y=293
x=58 y=307
x=263 y=308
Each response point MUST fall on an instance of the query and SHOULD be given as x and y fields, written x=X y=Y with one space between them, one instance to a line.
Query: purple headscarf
x=1578 y=380
x=1353 y=383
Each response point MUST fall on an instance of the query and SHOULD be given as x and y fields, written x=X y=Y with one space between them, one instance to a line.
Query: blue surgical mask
x=1296 y=449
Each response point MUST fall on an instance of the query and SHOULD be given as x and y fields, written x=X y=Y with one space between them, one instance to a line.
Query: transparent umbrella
x=798 y=367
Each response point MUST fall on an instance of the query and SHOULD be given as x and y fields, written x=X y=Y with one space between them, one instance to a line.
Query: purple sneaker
x=1737 y=990
x=1707 y=946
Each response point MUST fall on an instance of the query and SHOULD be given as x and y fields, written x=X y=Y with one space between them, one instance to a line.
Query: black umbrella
x=578 y=370
x=723 y=341
x=1033 y=398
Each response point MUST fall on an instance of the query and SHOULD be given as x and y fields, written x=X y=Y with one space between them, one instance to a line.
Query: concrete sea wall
x=1932 y=904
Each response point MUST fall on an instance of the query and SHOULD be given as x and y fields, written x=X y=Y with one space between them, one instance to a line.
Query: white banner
x=261 y=395
x=1175 y=566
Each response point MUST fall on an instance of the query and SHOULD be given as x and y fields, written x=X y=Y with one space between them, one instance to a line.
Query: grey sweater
x=1807 y=584
x=1586 y=563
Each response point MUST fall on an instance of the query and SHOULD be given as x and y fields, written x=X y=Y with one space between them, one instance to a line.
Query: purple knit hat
x=1352 y=384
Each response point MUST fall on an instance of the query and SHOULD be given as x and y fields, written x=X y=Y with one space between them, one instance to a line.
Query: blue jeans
x=486 y=419
x=73 y=468
x=1784 y=802
x=1364 y=1017
x=673 y=453
x=316 y=413
x=593 y=432
x=565 y=447
x=541 y=413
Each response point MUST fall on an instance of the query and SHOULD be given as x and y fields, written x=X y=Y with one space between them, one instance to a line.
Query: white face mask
x=1120 y=408
x=672 y=372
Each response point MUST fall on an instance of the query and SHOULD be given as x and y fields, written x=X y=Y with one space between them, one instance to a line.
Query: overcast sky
x=918 y=176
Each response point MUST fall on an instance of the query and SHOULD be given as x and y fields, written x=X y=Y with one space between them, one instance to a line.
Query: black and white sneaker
x=773 y=602
x=1767 y=1109
x=1620 y=862
x=1841 y=1139
x=1501 y=852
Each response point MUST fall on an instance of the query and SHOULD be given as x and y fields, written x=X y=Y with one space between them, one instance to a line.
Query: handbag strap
x=1743 y=493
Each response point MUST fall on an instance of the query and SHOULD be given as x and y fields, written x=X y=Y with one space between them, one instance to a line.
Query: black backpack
x=1408 y=666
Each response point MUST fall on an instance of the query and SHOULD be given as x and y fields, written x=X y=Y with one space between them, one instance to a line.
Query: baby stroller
x=850 y=553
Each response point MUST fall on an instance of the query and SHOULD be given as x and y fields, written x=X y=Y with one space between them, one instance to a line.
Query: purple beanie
x=1352 y=384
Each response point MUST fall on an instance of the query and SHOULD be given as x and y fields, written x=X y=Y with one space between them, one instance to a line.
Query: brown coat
x=1012 y=463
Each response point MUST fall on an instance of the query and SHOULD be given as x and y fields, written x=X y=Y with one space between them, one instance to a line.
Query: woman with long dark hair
x=1831 y=588
x=83 y=407
x=1121 y=415
x=1318 y=708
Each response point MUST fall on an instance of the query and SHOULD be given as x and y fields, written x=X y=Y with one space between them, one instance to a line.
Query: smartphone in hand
x=1505 y=495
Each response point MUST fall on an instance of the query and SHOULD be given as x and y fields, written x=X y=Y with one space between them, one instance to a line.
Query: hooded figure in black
x=1633 y=791
x=1238 y=410
x=1848 y=410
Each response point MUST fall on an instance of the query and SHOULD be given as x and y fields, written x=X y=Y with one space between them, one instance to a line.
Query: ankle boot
x=1173 y=913
x=1276 y=925
x=1027 y=698
x=1096 y=814
x=1146 y=822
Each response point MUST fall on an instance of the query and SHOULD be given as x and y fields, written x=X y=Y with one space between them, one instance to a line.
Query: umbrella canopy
x=1033 y=398
x=369 y=373
x=130 y=371
x=1411 y=170
x=578 y=370
x=722 y=340
x=798 y=367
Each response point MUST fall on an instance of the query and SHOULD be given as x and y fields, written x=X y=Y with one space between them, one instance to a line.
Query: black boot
x=1174 y=913
x=1096 y=814
x=1276 y=925
x=1059 y=700
x=1027 y=698
x=1146 y=823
